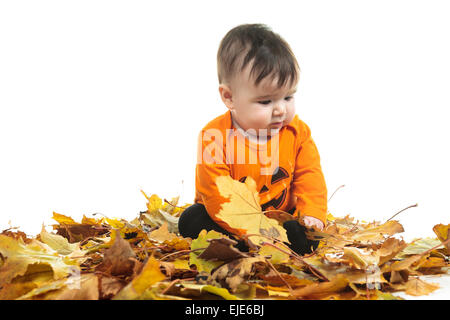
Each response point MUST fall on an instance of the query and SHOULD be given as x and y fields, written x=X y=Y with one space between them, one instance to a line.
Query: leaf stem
x=414 y=205
x=181 y=251
x=335 y=192
x=278 y=274
x=435 y=247
x=293 y=254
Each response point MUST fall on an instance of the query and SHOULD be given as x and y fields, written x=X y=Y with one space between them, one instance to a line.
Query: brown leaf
x=222 y=250
x=431 y=262
x=443 y=233
x=109 y=286
x=389 y=249
x=377 y=233
x=11 y=291
x=79 y=232
x=360 y=258
x=278 y=215
x=418 y=287
x=321 y=290
x=149 y=275
x=76 y=232
x=280 y=279
x=119 y=259
x=405 y=264
x=232 y=274
x=17 y=235
x=399 y=276
x=87 y=289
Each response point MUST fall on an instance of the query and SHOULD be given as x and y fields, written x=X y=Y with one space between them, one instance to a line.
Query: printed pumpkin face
x=279 y=174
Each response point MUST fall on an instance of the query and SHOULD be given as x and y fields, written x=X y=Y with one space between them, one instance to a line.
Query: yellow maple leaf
x=244 y=211
x=154 y=202
x=62 y=219
x=57 y=242
x=19 y=256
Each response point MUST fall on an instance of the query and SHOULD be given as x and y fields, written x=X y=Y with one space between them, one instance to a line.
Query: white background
x=100 y=99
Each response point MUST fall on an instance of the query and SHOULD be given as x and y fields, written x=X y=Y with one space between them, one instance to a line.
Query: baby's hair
x=270 y=53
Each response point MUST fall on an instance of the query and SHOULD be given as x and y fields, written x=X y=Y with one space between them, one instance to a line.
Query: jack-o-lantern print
x=278 y=175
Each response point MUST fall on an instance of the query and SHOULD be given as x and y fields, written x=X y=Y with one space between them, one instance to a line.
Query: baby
x=258 y=76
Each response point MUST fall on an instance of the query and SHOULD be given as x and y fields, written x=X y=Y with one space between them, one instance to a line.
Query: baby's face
x=263 y=107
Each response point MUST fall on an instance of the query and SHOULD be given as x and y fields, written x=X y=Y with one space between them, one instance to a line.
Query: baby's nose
x=280 y=108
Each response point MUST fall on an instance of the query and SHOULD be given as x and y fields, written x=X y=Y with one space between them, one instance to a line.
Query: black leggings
x=195 y=218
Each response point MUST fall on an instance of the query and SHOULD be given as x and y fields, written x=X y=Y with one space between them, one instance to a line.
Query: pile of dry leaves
x=146 y=258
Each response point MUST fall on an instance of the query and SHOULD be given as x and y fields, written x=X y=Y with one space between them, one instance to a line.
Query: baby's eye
x=264 y=102
x=289 y=98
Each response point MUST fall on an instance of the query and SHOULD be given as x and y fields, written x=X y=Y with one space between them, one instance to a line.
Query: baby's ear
x=226 y=95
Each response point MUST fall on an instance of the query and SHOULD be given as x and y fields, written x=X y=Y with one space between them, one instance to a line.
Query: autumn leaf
x=360 y=258
x=418 y=287
x=119 y=259
x=275 y=255
x=199 y=245
x=443 y=233
x=221 y=250
x=57 y=242
x=149 y=275
x=232 y=274
x=62 y=219
x=20 y=255
x=243 y=211
x=322 y=290
x=162 y=234
x=222 y=292
x=377 y=233
x=281 y=279
x=157 y=214
x=11 y=291
x=418 y=246
x=76 y=232
x=146 y=258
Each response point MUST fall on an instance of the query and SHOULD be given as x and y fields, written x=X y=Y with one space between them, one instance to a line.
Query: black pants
x=195 y=218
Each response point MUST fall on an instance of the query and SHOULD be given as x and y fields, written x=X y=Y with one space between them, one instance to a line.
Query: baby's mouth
x=277 y=124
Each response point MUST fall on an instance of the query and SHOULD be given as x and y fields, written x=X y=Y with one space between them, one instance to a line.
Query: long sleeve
x=309 y=183
x=211 y=163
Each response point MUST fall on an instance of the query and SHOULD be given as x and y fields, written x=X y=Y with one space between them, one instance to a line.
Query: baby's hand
x=311 y=222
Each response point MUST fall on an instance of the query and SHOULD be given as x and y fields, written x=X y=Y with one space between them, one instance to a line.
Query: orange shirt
x=286 y=168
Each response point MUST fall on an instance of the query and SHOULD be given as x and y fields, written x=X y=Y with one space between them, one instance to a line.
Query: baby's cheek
x=259 y=119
